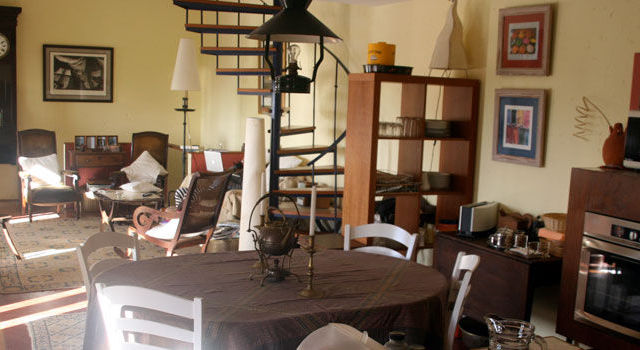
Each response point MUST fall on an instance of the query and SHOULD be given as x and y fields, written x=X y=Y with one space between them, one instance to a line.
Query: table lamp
x=185 y=78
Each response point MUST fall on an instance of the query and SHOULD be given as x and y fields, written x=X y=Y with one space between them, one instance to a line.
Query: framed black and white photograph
x=91 y=142
x=112 y=140
x=78 y=73
x=80 y=142
x=101 y=142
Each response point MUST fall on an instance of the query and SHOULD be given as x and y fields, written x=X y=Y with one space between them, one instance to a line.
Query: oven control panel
x=612 y=229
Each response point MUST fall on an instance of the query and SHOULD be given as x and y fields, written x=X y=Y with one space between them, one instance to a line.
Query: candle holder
x=309 y=292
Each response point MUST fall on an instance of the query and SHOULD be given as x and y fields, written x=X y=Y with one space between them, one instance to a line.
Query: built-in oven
x=608 y=291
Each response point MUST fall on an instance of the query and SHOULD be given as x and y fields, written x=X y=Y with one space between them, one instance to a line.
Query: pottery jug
x=613 y=148
x=511 y=334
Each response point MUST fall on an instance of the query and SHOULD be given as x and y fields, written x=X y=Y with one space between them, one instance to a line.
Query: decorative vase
x=448 y=52
x=613 y=148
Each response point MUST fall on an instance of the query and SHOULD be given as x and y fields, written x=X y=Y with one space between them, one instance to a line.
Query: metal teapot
x=511 y=334
x=274 y=238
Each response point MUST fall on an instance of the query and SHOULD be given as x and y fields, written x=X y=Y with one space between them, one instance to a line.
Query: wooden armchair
x=193 y=223
x=37 y=143
x=157 y=144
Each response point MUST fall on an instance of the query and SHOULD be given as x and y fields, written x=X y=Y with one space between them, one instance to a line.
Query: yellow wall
x=592 y=55
x=144 y=35
x=592 y=52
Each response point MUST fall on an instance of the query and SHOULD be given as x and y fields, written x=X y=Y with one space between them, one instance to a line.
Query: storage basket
x=555 y=221
x=555 y=247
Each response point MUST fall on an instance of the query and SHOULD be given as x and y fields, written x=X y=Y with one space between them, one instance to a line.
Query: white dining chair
x=96 y=242
x=121 y=326
x=459 y=289
x=388 y=231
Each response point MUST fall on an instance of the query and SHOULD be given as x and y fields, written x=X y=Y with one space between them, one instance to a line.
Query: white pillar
x=251 y=179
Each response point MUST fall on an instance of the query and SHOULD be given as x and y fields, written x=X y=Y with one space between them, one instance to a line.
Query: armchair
x=41 y=183
x=192 y=224
x=157 y=144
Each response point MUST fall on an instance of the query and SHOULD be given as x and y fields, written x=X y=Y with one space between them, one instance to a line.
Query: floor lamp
x=185 y=78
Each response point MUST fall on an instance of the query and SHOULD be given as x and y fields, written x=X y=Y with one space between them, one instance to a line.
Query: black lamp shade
x=294 y=24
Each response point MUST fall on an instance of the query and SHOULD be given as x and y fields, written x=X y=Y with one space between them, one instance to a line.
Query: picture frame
x=91 y=142
x=80 y=142
x=101 y=142
x=112 y=140
x=519 y=126
x=524 y=40
x=634 y=102
x=77 y=73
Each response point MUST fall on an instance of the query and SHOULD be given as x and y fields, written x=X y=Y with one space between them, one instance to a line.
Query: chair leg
x=206 y=242
x=29 y=212
x=76 y=209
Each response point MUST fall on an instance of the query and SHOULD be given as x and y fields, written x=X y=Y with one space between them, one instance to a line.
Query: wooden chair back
x=388 y=231
x=103 y=240
x=157 y=144
x=201 y=207
x=458 y=291
x=114 y=300
x=36 y=143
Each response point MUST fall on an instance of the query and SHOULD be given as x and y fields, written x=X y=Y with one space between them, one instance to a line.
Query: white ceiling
x=366 y=2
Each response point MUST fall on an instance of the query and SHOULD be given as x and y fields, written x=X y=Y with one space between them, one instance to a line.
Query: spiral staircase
x=220 y=22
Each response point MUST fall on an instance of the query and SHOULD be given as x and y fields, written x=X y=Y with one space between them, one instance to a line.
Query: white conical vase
x=449 y=51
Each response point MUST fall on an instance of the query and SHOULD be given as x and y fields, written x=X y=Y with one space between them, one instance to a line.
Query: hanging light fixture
x=293 y=24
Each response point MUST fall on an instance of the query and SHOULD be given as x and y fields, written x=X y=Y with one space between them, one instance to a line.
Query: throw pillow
x=144 y=169
x=43 y=170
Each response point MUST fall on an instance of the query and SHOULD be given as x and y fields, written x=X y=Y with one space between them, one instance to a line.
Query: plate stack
x=438 y=128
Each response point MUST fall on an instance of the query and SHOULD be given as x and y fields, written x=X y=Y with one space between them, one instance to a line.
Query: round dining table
x=370 y=292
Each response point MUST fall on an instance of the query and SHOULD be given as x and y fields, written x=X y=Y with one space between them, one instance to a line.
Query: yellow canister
x=381 y=53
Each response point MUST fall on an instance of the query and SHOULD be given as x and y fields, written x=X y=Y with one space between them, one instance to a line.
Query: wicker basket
x=555 y=221
x=555 y=247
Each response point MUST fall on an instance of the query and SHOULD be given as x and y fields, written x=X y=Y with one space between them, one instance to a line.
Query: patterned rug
x=60 y=332
x=50 y=260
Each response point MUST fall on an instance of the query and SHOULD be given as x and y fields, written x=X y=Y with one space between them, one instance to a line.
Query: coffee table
x=110 y=200
x=7 y=236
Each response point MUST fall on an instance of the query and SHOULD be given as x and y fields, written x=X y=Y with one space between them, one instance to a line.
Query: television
x=632 y=141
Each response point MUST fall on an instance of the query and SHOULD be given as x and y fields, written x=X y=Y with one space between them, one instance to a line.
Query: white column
x=251 y=179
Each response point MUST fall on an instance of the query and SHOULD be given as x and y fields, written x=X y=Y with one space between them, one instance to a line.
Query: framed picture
x=634 y=103
x=77 y=73
x=80 y=142
x=519 y=126
x=524 y=40
x=91 y=142
x=101 y=142
x=112 y=140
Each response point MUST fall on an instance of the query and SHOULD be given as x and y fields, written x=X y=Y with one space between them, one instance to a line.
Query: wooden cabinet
x=459 y=105
x=611 y=193
x=95 y=167
x=503 y=283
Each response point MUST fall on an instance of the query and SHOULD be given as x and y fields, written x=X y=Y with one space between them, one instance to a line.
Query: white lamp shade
x=449 y=51
x=185 y=72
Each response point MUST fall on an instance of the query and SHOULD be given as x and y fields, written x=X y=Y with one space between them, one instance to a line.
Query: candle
x=312 y=218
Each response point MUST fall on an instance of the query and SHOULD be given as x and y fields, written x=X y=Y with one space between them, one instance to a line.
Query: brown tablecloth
x=369 y=292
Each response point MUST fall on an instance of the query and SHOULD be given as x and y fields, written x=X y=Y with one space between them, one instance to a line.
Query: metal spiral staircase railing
x=204 y=10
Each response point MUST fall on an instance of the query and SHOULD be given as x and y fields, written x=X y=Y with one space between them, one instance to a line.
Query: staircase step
x=305 y=212
x=295 y=130
x=302 y=150
x=255 y=92
x=306 y=192
x=243 y=71
x=235 y=51
x=218 y=28
x=306 y=171
x=226 y=6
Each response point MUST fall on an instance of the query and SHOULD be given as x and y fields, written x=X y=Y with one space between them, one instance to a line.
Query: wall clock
x=5 y=45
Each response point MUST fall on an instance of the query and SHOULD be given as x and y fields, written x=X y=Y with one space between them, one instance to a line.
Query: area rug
x=59 y=332
x=50 y=260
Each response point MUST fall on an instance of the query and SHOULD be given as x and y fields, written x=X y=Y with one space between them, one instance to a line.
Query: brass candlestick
x=309 y=292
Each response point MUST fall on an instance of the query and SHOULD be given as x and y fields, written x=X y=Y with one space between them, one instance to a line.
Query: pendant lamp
x=293 y=24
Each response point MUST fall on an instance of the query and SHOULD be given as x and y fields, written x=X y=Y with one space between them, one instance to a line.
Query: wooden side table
x=8 y=238
x=503 y=283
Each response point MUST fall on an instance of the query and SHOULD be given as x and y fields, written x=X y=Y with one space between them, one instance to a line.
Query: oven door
x=608 y=291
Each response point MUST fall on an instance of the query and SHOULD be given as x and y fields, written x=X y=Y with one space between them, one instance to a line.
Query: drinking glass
x=543 y=248
x=520 y=240
x=532 y=247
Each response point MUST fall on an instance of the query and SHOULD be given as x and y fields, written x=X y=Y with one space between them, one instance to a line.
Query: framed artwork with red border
x=634 y=103
x=524 y=40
